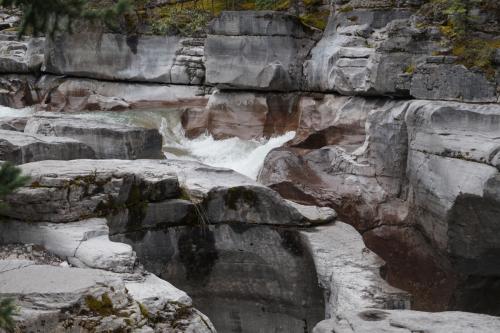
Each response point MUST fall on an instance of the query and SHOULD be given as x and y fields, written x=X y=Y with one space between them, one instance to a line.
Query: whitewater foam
x=243 y=156
x=11 y=112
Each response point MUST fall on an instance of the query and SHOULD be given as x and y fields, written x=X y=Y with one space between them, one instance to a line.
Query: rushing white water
x=243 y=156
x=10 y=112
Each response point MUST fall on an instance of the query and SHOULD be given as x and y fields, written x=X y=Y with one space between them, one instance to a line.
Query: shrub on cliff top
x=458 y=23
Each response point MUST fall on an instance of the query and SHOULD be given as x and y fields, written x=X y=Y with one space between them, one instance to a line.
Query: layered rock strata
x=191 y=225
x=421 y=171
x=107 y=139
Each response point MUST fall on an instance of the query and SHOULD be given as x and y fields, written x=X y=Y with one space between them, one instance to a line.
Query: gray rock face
x=355 y=153
x=201 y=258
x=257 y=50
x=272 y=281
x=452 y=82
x=20 y=56
x=108 y=140
x=364 y=52
x=453 y=173
x=101 y=55
x=394 y=321
x=19 y=148
x=425 y=164
x=74 y=95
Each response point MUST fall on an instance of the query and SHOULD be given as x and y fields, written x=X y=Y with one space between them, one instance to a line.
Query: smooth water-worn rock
x=411 y=188
x=83 y=244
x=353 y=56
x=257 y=50
x=107 y=139
x=75 y=94
x=351 y=169
x=19 y=148
x=394 y=321
x=100 y=55
x=245 y=115
x=349 y=272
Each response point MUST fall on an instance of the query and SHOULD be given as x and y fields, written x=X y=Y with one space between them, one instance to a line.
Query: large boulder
x=107 y=139
x=361 y=169
x=257 y=50
x=96 y=54
x=19 y=148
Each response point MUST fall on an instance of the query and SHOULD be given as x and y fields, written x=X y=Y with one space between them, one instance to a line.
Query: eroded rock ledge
x=187 y=221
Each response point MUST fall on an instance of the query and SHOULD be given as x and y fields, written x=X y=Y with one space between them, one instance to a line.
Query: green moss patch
x=240 y=194
x=316 y=19
x=102 y=307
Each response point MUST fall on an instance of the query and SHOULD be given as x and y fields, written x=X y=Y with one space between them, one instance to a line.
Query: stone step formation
x=380 y=215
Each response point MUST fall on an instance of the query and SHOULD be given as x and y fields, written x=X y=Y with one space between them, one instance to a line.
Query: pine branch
x=50 y=16
x=7 y=310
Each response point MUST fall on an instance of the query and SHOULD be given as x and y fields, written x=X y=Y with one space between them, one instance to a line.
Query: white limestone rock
x=404 y=321
x=56 y=298
x=350 y=272
x=83 y=244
